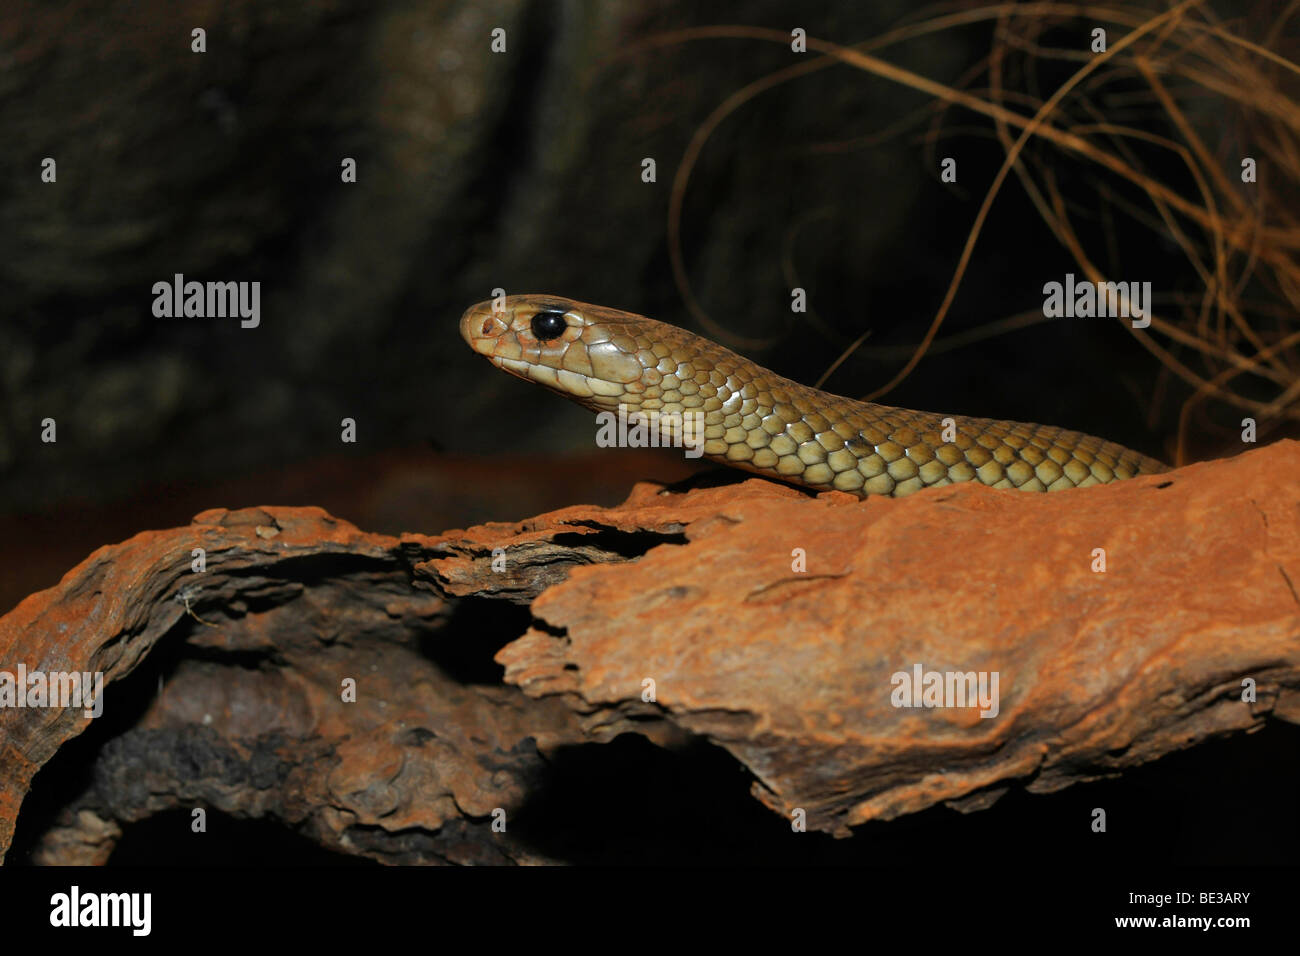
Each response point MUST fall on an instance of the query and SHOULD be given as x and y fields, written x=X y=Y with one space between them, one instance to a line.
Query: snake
x=754 y=419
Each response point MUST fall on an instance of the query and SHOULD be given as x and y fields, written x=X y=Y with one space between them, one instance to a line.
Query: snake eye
x=549 y=325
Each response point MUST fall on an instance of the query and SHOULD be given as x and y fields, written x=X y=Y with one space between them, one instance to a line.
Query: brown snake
x=755 y=419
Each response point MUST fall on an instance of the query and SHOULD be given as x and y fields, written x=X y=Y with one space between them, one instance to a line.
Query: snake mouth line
x=581 y=388
x=515 y=367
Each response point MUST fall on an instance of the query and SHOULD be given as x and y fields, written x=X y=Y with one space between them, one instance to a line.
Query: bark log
x=1122 y=623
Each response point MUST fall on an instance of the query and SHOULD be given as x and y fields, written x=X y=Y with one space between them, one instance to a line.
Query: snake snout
x=481 y=326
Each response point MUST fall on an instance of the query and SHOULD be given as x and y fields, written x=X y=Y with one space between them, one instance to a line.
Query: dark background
x=522 y=171
x=475 y=171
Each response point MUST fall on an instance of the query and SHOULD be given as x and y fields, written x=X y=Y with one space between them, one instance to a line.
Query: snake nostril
x=487 y=327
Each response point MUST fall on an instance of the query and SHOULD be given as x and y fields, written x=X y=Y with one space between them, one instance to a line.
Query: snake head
x=581 y=351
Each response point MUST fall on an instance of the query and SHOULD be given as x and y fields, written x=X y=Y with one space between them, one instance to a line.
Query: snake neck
x=748 y=416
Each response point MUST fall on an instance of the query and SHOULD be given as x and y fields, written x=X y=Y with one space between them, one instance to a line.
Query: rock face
x=1099 y=629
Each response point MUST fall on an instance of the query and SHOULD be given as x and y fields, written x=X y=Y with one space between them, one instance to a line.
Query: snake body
x=756 y=420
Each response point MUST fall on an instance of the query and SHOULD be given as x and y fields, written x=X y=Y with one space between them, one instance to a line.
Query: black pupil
x=549 y=325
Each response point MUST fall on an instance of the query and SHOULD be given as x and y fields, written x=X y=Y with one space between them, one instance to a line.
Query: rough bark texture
x=253 y=721
x=791 y=671
x=674 y=614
